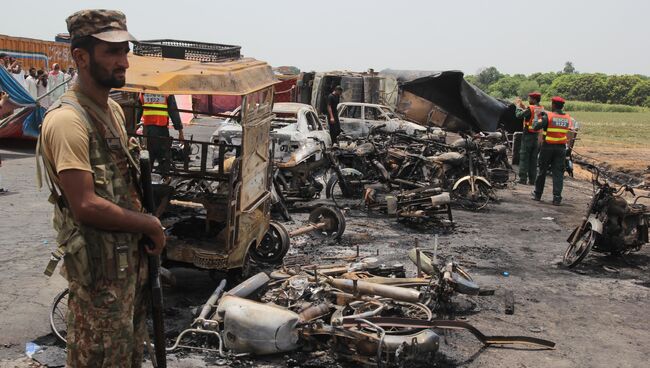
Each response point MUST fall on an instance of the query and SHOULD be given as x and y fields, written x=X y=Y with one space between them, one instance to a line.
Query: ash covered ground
x=596 y=314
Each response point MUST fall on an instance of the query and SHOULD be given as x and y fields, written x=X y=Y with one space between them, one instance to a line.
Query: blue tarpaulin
x=30 y=113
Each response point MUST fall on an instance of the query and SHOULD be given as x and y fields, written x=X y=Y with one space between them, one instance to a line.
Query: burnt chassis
x=235 y=194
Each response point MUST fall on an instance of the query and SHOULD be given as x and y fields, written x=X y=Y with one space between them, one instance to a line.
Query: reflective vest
x=91 y=255
x=535 y=112
x=154 y=116
x=558 y=127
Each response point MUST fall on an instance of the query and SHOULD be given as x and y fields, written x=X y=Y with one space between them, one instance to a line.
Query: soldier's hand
x=157 y=236
x=181 y=136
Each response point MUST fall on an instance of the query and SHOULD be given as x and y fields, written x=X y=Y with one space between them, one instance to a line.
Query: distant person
x=55 y=78
x=16 y=70
x=156 y=125
x=30 y=82
x=556 y=126
x=4 y=60
x=332 y=112
x=72 y=74
x=41 y=88
x=529 y=145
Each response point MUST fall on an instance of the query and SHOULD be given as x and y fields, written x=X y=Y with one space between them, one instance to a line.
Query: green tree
x=569 y=68
x=526 y=87
x=582 y=87
x=486 y=77
x=592 y=87
x=544 y=80
x=640 y=93
x=506 y=87
x=619 y=87
x=471 y=79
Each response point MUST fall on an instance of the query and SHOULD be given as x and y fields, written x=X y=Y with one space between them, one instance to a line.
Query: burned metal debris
x=362 y=311
x=417 y=177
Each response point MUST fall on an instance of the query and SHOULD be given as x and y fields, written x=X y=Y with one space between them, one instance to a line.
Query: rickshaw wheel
x=333 y=219
x=273 y=247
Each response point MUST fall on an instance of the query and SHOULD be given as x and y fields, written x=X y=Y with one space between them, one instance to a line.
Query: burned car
x=300 y=140
x=357 y=119
x=295 y=126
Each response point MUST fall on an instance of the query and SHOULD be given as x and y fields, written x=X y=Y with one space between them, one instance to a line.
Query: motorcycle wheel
x=273 y=247
x=334 y=192
x=473 y=202
x=579 y=249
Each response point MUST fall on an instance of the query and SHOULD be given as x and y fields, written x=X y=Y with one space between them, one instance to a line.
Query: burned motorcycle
x=611 y=225
x=463 y=171
x=297 y=176
x=461 y=168
x=495 y=152
x=359 y=164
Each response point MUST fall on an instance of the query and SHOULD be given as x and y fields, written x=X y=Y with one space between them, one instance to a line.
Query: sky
x=515 y=36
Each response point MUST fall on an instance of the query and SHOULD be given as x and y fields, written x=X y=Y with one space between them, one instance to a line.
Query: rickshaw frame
x=243 y=200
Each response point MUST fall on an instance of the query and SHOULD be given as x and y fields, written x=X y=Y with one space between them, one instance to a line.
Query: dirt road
x=596 y=315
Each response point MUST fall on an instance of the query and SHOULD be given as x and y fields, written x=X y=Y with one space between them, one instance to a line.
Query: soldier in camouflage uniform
x=93 y=175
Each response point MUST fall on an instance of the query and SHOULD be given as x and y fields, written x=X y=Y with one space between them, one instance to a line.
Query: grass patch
x=617 y=128
x=573 y=106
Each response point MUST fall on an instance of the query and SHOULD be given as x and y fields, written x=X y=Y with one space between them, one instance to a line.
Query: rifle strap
x=55 y=258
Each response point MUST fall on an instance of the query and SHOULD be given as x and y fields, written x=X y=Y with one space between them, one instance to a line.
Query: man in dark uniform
x=556 y=125
x=529 y=147
x=332 y=113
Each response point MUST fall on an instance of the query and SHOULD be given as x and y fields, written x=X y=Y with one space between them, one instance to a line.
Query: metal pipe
x=187 y=204
x=251 y=285
x=307 y=229
x=314 y=311
x=367 y=288
x=212 y=300
x=200 y=331
x=367 y=314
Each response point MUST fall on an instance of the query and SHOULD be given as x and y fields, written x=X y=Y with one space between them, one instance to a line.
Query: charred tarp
x=473 y=109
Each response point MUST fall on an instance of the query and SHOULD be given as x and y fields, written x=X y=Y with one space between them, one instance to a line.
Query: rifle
x=160 y=358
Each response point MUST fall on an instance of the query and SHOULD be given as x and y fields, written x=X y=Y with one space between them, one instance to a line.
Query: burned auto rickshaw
x=217 y=217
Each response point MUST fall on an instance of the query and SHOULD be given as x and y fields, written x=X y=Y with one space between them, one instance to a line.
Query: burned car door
x=351 y=118
x=316 y=130
x=373 y=117
x=254 y=195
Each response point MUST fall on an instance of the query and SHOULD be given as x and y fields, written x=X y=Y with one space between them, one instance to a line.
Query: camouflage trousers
x=107 y=321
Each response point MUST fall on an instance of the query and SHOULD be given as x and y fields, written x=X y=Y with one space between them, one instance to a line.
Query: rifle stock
x=157 y=317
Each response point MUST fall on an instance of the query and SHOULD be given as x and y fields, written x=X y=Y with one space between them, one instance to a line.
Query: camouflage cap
x=106 y=25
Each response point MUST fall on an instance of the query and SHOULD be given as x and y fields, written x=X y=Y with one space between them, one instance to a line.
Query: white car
x=357 y=118
x=296 y=127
